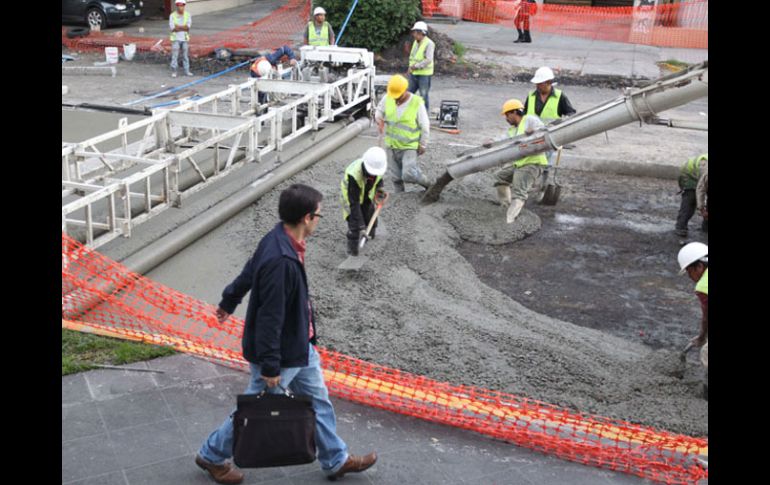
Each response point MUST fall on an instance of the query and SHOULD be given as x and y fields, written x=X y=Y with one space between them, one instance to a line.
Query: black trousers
x=687 y=210
x=355 y=225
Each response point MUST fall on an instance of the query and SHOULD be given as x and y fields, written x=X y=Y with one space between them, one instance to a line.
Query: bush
x=374 y=25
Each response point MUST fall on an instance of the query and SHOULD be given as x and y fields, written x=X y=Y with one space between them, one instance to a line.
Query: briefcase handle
x=286 y=392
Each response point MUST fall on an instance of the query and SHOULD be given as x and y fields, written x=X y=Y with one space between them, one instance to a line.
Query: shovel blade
x=353 y=263
x=551 y=194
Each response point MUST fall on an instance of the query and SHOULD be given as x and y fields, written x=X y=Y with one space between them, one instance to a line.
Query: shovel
x=683 y=354
x=552 y=189
x=354 y=263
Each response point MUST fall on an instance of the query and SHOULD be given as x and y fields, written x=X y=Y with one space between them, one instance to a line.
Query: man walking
x=407 y=132
x=689 y=177
x=527 y=8
x=179 y=22
x=421 y=62
x=319 y=32
x=361 y=189
x=513 y=182
x=279 y=337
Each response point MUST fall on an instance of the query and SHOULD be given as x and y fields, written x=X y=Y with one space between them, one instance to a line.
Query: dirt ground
x=586 y=312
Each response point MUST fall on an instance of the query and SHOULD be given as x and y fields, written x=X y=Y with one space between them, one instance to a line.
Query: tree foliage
x=375 y=24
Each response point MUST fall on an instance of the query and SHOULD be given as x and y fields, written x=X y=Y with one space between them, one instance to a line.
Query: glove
x=380 y=197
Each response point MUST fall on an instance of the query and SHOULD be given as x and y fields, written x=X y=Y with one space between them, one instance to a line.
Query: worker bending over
x=690 y=177
x=361 y=190
x=694 y=260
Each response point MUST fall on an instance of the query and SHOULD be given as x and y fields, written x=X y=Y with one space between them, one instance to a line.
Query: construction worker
x=179 y=22
x=361 y=189
x=527 y=8
x=694 y=260
x=549 y=104
x=319 y=32
x=689 y=177
x=701 y=196
x=421 y=62
x=407 y=132
x=513 y=183
x=262 y=65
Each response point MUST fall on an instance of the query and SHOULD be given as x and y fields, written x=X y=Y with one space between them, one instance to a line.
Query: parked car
x=101 y=13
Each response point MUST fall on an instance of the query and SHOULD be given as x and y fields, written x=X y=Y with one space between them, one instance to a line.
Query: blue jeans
x=332 y=451
x=176 y=46
x=423 y=84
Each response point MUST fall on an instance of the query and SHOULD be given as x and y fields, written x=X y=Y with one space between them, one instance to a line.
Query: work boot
x=504 y=195
x=353 y=247
x=225 y=473
x=355 y=464
x=513 y=211
x=520 y=38
x=527 y=37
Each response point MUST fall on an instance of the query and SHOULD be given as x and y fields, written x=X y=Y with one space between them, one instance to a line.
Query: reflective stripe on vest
x=703 y=283
x=185 y=18
x=539 y=159
x=690 y=172
x=402 y=133
x=317 y=39
x=418 y=55
x=354 y=170
x=550 y=110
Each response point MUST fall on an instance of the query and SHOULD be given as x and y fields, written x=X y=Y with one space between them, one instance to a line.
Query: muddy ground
x=451 y=293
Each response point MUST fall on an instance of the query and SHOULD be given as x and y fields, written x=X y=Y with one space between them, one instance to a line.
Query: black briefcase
x=273 y=430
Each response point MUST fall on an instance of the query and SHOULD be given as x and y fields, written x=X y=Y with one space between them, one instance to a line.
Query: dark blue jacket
x=275 y=334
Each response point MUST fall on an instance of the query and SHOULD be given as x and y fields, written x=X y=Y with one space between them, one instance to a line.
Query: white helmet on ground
x=691 y=253
x=421 y=26
x=375 y=161
x=542 y=75
x=319 y=11
x=264 y=68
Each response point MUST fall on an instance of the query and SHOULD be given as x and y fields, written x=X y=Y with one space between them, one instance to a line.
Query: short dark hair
x=297 y=201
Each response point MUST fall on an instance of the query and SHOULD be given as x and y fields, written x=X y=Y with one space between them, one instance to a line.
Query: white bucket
x=128 y=51
x=112 y=55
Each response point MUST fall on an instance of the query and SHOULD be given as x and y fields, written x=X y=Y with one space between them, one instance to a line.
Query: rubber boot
x=504 y=195
x=513 y=210
x=521 y=36
x=527 y=37
x=353 y=247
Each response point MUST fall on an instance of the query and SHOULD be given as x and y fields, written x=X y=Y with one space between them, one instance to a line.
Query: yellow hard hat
x=397 y=86
x=511 y=105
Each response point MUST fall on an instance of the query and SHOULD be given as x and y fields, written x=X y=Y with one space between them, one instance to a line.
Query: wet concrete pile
x=418 y=305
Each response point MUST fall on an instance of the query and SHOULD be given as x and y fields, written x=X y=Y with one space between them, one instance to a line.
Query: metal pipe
x=636 y=105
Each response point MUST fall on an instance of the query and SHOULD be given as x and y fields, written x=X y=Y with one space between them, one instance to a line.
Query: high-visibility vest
x=690 y=172
x=550 y=110
x=402 y=133
x=539 y=159
x=315 y=39
x=703 y=283
x=354 y=170
x=185 y=18
x=418 y=55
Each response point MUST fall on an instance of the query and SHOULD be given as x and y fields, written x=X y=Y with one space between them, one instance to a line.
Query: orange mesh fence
x=101 y=296
x=269 y=32
x=683 y=24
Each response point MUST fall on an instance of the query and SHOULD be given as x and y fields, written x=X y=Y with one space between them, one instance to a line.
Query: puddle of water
x=573 y=222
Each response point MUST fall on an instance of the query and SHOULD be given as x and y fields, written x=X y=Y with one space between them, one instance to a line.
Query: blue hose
x=345 y=24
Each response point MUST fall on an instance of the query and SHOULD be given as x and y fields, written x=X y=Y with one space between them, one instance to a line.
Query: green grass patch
x=459 y=50
x=80 y=351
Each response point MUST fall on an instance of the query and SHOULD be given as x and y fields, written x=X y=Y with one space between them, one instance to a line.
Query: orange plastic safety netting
x=101 y=296
x=269 y=32
x=682 y=24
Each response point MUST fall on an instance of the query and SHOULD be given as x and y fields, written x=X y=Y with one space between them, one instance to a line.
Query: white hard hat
x=264 y=68
x=319 y=11
x=183 y=2
x=542 y=75
x=420 y=26
x=691 y=253
x=375 y=161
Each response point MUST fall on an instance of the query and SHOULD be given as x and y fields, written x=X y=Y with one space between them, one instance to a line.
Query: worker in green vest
x=421 y=62
x=694 y=260
x=549 y=104
x=319 y=32
x=360 y=190
x=402 y=118
x=689 y=176
x=513 y=182
x=179 y=22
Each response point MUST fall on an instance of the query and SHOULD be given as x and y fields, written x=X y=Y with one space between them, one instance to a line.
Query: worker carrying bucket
x=362 y=190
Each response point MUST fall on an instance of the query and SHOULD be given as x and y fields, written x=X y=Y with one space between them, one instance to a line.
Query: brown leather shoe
x=355 y=464
x=225 y=473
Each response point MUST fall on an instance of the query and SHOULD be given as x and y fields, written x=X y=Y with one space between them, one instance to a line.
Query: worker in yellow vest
x=694 y=260
x=319 y=32
x=179 y=22
x=421 y=62
x=513 y=182
x=689 y=176
x=549 y=104
x=402 y=118
x=360 y=190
